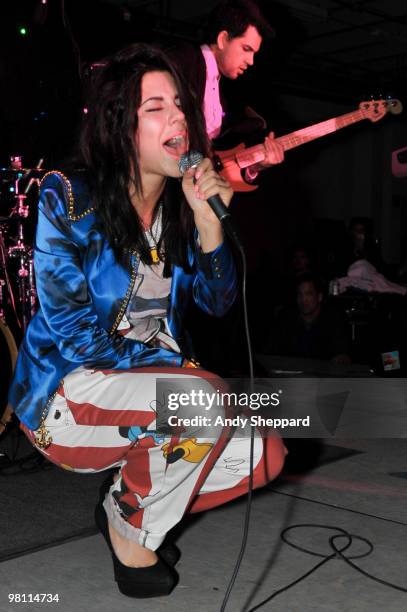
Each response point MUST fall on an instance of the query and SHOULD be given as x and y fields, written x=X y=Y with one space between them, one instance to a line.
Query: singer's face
x=235 y=55
x=161 y=136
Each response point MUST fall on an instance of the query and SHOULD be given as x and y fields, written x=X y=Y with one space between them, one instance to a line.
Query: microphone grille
x=189 y=160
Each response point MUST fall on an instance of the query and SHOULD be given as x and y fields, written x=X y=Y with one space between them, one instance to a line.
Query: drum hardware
x=24 y=279
x=18 y=297
x=8 y=352
x=16 y=259
x=12 y=453
x=16 y=162
x=20 y=210
x=2 y=314
x=33 y=180
x=32 y=292
x=7 y=282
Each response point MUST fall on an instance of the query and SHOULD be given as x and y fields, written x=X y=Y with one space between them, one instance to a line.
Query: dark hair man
x=312 y=329
x=234 y=35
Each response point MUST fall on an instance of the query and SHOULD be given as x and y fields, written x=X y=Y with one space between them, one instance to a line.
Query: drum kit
x=18 y=296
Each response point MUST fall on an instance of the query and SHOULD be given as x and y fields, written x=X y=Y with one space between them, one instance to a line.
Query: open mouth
x=176 y=146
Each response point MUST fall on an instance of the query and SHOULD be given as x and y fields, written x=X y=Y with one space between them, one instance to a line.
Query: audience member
x=362 y=243
x=311 y=329
x=301 y=261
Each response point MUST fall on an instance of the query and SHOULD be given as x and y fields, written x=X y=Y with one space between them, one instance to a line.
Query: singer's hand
x=199 y=184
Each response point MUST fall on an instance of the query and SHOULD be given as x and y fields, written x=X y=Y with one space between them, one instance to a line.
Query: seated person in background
x=362 y=243
x=311 y=329
x=300 y=261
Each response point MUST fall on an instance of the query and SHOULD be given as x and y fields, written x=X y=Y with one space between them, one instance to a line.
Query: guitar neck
x=295 y=139
x=255 y=154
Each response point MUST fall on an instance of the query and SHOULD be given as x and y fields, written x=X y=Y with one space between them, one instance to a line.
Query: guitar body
x=231 y=171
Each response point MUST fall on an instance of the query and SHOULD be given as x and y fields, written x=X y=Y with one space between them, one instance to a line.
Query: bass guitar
x=229 y=163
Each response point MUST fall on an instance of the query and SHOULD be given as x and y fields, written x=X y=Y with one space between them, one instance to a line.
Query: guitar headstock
x=376 y=109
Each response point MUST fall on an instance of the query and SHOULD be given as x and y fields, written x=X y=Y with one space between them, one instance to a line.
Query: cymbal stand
x=22 y=253
x=3 y=267
x=2 y=314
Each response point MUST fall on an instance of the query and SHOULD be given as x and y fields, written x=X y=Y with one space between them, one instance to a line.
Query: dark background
x=327 y=56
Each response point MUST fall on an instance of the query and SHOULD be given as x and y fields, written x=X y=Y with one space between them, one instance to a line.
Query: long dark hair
x=108 y=152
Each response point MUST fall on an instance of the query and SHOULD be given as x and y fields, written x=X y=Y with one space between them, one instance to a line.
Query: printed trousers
x=100 y=419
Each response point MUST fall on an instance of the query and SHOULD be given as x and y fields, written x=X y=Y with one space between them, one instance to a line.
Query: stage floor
x=361 y=492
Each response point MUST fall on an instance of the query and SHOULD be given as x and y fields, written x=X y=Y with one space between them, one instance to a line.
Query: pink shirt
x=212 y=107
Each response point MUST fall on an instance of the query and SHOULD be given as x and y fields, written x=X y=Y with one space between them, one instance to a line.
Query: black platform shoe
x=168 y=551
x=142 y=582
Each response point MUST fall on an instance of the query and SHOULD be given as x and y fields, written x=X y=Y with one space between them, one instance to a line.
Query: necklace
x=152 y=234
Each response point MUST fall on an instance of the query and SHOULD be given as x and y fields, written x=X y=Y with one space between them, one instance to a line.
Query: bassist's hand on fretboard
x=274 y=152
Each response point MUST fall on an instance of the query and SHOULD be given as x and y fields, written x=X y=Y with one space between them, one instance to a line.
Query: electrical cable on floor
x=338 y=553
x=337 y=507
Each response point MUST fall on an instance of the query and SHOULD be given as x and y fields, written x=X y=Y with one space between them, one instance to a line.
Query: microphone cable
x=188 y=160
x=75 y=46
x=252 y=429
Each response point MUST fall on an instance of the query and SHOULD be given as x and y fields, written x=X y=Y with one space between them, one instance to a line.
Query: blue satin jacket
x=83 y=293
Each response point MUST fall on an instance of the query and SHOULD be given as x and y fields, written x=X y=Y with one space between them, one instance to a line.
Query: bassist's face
x=235 y=55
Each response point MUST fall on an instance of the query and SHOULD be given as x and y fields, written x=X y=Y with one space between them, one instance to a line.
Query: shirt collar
x=210 y=61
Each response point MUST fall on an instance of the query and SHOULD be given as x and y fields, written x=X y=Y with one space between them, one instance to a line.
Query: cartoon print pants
x=101 y=419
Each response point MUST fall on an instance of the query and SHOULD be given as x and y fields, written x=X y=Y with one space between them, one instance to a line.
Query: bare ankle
x=131 y=553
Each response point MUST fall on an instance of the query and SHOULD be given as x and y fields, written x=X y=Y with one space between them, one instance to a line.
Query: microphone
x=192 y=159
